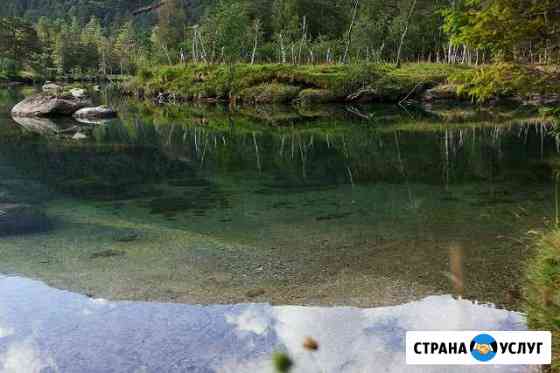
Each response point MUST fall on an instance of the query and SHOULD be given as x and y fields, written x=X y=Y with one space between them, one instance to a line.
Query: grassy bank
x=289 y=84
x=543 y=291
x=313 y=84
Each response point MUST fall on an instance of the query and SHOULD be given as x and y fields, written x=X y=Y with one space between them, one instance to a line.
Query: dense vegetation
x=55 y=38
x=302 y=84
x=543 y=291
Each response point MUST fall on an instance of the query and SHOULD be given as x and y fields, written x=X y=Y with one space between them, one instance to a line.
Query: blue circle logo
x=484 y=347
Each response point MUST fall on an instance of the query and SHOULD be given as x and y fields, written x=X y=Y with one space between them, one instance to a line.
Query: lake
x=401 y=212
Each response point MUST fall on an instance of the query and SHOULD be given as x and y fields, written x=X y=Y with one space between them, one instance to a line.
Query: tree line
x=61 y=37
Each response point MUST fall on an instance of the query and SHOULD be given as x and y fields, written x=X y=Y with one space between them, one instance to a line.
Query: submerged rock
x=20 y=218
x=44 y=105
x=107 y=254
x=126 y=236
x=98 y=112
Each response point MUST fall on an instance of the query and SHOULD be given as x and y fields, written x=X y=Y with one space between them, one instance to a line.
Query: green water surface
x=361 y=206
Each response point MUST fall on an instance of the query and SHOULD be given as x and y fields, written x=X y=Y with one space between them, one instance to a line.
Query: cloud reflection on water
x=47 y=330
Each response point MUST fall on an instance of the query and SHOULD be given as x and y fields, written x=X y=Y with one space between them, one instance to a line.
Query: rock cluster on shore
x=53 y=102
x=46 y=104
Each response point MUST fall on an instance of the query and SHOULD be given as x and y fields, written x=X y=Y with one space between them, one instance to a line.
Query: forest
x=61 y=37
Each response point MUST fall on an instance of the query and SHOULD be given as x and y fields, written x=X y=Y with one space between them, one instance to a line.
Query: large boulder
x=21 y=219
x=99 y=112
x=44 y=105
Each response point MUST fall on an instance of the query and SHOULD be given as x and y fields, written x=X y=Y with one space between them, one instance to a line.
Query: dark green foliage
x=19 y=44
x=520 y=30
x=282 y=362
x=87 y=37
x=506 y=80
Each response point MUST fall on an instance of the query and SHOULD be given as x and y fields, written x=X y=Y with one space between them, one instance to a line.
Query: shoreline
x=308 y=85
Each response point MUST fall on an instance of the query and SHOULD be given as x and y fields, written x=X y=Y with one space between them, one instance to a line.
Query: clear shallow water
x=47 y=330
x=252 y=207
x=198 y=204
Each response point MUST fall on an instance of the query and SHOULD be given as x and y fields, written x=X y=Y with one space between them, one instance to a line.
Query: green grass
x=543 y=291
x=249 y=82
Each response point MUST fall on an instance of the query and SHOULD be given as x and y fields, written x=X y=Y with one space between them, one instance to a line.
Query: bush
x=504 y=80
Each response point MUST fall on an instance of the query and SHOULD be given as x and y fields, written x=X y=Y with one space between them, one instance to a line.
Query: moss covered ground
x=288 y=83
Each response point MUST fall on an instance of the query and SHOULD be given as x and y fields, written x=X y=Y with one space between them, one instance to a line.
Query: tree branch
x=149 y=8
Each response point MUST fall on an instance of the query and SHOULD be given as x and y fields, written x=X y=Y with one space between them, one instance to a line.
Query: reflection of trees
x=104 y=171
x=336 y=149
x=151 y=144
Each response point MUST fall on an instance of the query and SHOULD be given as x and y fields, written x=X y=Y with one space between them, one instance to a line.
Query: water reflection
x=42 y=126
x=359 y=206
x=47 y=330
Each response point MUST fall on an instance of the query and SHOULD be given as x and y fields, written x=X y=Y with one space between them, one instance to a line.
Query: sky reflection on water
x=47 y=330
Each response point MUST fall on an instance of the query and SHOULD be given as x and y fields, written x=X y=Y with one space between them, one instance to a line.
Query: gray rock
x=44 y=105
x=79 y=136
x=78 y=92
x=20 y=219
x=95 y=112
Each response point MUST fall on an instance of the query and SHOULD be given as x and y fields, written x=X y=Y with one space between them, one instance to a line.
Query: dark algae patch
x=107 y=254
